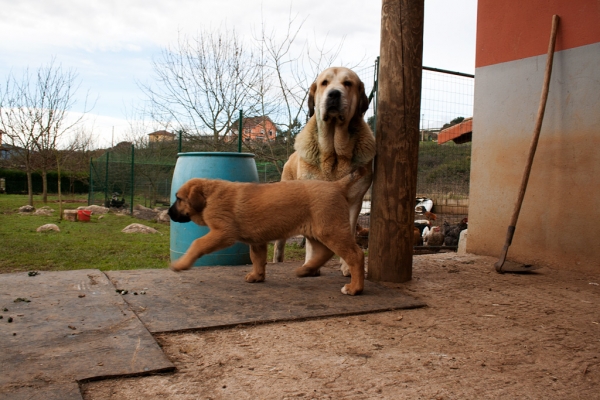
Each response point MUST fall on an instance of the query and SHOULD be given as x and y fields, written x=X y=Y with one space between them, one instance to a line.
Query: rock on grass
x=139 y=228
x=48 y=228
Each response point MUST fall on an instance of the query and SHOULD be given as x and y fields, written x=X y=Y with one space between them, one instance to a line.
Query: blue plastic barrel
x=236 y=167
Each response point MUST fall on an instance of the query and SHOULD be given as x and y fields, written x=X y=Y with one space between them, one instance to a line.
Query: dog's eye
x=347 y=83
x=324 y=83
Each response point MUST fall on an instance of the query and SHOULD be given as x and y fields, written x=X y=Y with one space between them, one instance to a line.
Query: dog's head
x=337 y=93
x=190 y=201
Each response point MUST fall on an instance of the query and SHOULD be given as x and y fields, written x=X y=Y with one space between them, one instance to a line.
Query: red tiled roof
x=459 y=133
x=161 y=133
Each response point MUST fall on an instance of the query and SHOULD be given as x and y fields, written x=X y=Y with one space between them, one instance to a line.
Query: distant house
x=260 y=129
x=7 y=151
x=161 y=136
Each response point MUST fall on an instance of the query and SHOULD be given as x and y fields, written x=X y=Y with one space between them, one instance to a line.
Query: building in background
x=161 y=136
x=260 y=129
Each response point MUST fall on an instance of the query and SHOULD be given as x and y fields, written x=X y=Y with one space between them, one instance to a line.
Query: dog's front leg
x=207 y=244
x=354 y=212
x=356 y=261
x=258 y=255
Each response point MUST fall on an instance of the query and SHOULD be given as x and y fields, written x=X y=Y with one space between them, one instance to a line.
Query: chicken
x=362 y=236
x=418 y=239
x=430 y=216
x=435 y=237
x=452 y=232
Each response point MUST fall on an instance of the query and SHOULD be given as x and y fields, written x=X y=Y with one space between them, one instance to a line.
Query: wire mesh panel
x=124 y=176
x=443 y=169
x=445 y=96
x=368 y=75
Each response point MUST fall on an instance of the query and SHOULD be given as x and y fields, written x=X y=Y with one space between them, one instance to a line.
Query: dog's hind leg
x=258 y=255
x=278 y=250
x=319 y=255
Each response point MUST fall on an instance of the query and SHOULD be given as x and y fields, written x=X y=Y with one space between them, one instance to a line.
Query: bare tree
x=56 y=88
x=287 y=68
x=203 y=82
x=33 y=113
x=73 y=157
x=18 y=117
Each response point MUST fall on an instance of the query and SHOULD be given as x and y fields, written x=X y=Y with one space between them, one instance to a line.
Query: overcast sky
x=111 y=43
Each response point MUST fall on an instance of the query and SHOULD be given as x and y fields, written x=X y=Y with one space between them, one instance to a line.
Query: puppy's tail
x=349 y=180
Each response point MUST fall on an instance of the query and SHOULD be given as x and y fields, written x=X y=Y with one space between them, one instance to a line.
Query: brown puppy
x=335 y=141
x=256 y=214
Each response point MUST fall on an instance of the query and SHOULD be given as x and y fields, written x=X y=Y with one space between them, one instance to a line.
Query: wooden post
x=398 y=114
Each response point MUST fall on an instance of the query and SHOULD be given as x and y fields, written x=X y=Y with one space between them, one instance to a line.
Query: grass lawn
x=98 y=244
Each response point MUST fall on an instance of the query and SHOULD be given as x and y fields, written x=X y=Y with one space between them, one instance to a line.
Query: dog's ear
x=363 y=101
x=311 y=99
x=196 y=198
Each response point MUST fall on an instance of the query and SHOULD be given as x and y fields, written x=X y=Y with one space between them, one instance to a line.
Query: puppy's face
x=337 y=93
x=190 y=202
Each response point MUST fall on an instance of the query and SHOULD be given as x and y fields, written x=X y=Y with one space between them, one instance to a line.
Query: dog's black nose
x=333 y=101
x=334 y=94
x=176 y=216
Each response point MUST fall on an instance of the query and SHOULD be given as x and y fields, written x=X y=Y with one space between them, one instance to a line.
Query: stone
x=44 y=211
x=163 y=217
x=139 y=228
x=48 y=228
x=148 y=214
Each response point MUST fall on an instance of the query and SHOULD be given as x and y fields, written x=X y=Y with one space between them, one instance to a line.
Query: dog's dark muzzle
x=176 y=216
x=334 y=100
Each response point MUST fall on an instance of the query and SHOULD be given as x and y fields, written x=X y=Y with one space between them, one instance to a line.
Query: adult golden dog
x=256 y=214
x=335 y=141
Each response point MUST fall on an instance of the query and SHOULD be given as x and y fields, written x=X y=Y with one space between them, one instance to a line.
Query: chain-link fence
x=125 y=176
x=444 y=169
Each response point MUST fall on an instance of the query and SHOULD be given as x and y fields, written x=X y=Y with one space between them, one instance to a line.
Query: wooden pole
x=398 y=114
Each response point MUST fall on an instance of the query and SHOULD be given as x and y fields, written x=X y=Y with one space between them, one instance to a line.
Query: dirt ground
x=482 y=336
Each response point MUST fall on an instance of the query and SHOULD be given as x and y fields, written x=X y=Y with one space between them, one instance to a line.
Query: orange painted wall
x=558 y=222
x=509 y=30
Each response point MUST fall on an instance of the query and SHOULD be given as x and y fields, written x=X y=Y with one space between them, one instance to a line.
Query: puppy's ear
x=196 y=198
x=311 y=99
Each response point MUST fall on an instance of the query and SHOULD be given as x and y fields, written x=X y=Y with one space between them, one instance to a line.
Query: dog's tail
x=349 y=180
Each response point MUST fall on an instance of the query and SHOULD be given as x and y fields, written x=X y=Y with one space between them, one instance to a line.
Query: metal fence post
x=133 y=175
x=240 y=133
x=106 y=180
x=91 y=188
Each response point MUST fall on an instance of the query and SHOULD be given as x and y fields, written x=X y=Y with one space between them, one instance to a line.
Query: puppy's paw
x=179 y=266
x=254 y=278
x=302 y=272
x=347 y=289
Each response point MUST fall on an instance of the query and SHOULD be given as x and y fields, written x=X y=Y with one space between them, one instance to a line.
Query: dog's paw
x=347 y=289
x=254 y=278
x=179 y=266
